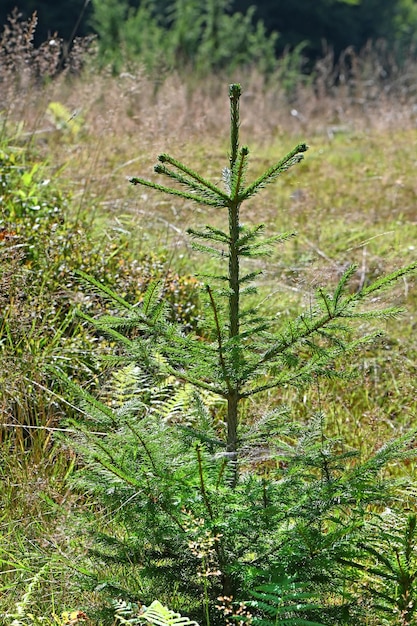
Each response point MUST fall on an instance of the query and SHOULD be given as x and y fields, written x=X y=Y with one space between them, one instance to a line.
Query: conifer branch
x=295 y=334
x=316 y=365
x=293 y=157
x=144 y=446
x=177 y=192
x=327 y=304
x=238 y=172
x=203 y=182
x=246 y=278
x=221 y=277
x=343 y=282
x=106 y=328
x=263 y=247
x=198 y=382
x=187 y=182
x=152 y=299
x=104 y=289
x=202 y=485
x=213 y=234
x=386 y=281
x=248 y=234
x=113 y=468
x=215 y=252
x=85 y=395
x=227 y=180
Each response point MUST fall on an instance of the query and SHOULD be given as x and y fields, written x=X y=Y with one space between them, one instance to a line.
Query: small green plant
x=222 y=493
x=388 y=560
x=23 y=616
x=245 y=357
x=156 y=615
x=282 y=602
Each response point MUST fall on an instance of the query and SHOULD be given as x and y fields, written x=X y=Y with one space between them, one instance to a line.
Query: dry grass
x=123 y=121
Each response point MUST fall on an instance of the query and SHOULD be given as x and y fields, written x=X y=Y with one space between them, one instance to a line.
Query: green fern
x=156 y=615
x=388 y=560
x=283 y=602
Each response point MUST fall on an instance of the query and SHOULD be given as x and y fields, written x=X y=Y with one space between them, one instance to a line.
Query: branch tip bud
x=235 y=91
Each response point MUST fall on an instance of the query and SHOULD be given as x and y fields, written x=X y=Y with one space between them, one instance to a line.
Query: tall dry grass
x=361 y=90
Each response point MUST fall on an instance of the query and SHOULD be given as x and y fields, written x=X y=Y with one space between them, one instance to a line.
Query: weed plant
x=201 y=494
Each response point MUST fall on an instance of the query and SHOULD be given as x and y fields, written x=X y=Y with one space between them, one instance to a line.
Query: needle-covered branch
x=177 y=192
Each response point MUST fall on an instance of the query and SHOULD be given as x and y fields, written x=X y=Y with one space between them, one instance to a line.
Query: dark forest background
x=339 y=23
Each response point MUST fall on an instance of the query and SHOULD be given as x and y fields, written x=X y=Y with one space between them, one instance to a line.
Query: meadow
x=68 y=146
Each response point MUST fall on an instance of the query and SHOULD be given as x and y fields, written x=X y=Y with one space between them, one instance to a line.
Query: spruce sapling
x=142 y=468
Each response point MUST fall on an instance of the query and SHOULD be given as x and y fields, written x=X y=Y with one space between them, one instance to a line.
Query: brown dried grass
x=362 y=90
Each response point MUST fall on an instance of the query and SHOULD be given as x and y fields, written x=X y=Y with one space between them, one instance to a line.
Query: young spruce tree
x=193 y=504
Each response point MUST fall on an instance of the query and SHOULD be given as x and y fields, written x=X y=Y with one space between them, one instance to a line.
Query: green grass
x=352 y=200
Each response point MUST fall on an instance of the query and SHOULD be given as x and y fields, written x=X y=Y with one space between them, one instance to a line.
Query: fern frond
x=125 y=612
x=175 y=405
x=284 y=602
x=155 y=615
x=158 y=615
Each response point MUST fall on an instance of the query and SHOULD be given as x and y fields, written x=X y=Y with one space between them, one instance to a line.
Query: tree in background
x=220 y=30
x=341 y=23
x=187 y=33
